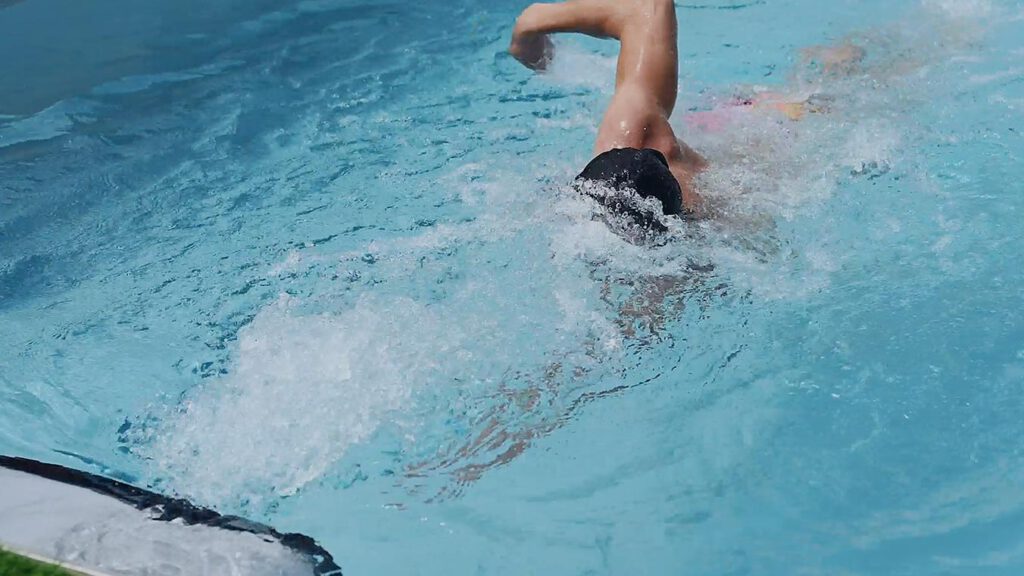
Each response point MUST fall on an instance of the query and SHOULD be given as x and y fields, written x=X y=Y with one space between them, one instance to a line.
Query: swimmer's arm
x=531 y=43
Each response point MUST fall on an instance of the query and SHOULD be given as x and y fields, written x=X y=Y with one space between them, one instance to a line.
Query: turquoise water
x=316 y=262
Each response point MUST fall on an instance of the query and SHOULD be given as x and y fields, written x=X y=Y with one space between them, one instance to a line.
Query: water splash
x=462 y=370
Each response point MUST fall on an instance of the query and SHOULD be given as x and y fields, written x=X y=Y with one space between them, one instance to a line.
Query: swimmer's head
x=614 y=177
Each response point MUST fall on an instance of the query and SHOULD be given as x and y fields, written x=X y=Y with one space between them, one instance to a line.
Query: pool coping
x=166 y=509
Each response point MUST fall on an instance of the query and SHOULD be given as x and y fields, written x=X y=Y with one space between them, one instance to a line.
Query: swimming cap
x=643 y=171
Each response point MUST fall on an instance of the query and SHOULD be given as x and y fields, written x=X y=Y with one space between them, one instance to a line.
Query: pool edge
x=165 y=509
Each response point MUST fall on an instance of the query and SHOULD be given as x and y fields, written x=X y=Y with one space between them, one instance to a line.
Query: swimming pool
x=316 y=262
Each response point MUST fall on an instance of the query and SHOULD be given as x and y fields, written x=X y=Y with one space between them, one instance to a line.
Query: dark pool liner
x=170 y=509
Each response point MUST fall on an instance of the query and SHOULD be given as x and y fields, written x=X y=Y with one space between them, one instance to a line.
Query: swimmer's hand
x=535 y=51
x=531 y=46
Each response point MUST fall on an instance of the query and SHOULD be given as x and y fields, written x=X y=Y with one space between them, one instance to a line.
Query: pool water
x=317 y=263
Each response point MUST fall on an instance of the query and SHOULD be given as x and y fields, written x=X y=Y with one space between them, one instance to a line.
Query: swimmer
x=823 y=63
x=843 y=59
x=505 y=428
x=636 y=149
x=636 y=152
x=792 y=106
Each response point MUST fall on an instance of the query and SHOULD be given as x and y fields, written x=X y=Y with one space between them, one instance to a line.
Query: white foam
x=574 y=66
x=302 y=390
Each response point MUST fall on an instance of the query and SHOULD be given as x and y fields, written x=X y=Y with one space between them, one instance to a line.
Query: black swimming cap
x=643 y=171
